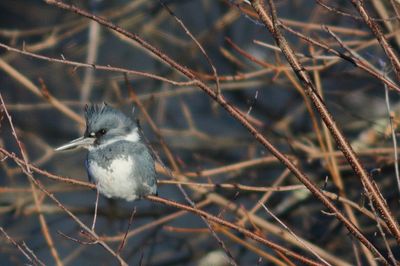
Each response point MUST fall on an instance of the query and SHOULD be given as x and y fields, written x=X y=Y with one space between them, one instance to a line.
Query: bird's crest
x=104 y=115
x=95 y=110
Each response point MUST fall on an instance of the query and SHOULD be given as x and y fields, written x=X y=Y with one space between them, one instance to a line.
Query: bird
x=118 y=160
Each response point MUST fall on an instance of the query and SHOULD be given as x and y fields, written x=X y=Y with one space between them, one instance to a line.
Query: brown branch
x=25 y=167
x=93 y=66
x=230 y=225
x=212 y=197
x=176 y=168
x=354 y=61
x=34 y=260
x=271 y=22
x=72 y=181
x=176 y=205
x=35 y=90
x=376 y=30
x=42 y=220
x=203 y=51
x=232 y=111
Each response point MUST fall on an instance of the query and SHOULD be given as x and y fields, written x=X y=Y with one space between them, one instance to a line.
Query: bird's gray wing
x=145 y=170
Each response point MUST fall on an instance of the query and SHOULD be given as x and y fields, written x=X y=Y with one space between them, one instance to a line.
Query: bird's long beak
x=76 y=143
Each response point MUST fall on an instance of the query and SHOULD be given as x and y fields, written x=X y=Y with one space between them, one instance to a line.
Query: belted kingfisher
x=118 y=160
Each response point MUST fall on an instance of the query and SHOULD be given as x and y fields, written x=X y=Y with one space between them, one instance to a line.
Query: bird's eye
x=100 y=133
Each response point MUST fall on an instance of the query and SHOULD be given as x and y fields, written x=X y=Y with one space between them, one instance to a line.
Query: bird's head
x=104 y=124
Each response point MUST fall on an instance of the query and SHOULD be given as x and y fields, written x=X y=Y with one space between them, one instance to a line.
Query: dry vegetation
x=274 y=125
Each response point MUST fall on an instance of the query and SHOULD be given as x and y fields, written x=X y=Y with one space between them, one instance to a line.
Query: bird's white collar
x=133 y=136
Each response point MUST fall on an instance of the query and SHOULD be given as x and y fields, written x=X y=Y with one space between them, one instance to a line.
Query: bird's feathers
x=104 y=116
x=118 y=161
x=124 y=169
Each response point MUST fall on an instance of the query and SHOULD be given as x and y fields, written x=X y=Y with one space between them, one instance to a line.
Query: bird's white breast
x=116 y=179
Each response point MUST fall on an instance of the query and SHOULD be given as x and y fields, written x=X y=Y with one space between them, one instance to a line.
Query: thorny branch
x=225 y=178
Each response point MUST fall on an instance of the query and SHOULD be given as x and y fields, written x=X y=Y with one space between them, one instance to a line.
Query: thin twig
x=34 y=260
x=342 y=142
x=376 y=30
x=203 y=51
x=394 y=139
x=382 y=233
x=293 y=234
x=95 y=209
x=242 y=230
x=176 y=168
x=94 y=66
x=26 y=169
x=122 y=244
x=43 y=224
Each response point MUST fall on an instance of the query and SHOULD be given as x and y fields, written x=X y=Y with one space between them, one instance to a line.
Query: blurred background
x=46 y=100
